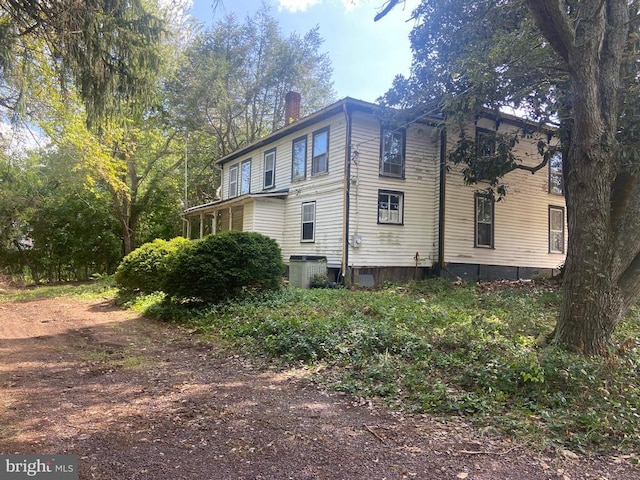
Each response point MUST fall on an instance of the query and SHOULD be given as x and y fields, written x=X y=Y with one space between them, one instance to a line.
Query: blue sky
x=365 y=55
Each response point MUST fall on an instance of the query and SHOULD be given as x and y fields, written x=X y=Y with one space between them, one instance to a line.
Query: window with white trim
x=556 y=180
x=299 y=156
x=556 y=229
x=308 y=222
x=233 y=181
x=390 y=207
x=484 y=223
x=269 y=169
x=245 y=177
x=320 y=152
x=392 y=151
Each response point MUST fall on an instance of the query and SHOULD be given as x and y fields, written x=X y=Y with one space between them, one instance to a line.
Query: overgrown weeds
x=432 y=347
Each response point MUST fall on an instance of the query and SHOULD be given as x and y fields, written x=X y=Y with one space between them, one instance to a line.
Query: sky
x=365 y=55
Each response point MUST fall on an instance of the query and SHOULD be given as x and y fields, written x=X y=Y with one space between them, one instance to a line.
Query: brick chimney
x=292 y=107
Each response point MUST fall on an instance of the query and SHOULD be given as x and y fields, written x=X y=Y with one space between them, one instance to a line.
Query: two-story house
x=380 y=204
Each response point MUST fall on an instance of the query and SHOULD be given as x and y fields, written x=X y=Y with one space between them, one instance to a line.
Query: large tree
x=565 y=61
x=229 y=89
x=106 y=49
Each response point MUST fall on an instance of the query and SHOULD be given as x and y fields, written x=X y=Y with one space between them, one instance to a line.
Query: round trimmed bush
x=226 y=265
x=145 y=269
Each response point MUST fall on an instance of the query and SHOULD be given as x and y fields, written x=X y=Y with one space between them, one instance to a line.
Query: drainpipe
x=347 y=195
x=440 y=266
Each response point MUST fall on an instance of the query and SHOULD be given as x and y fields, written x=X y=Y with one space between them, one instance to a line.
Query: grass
x=103 y=287
x=435 y=348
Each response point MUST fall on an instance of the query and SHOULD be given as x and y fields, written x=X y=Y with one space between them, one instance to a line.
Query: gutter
x=347 y=196
x=440 y=266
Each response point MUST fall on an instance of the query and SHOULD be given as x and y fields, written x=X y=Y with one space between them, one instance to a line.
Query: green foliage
x=241 y=65
x=108 y=49
x=146 y=268
x=432 y=347
x=478 y=58
x=224 y=266
x=57 y=230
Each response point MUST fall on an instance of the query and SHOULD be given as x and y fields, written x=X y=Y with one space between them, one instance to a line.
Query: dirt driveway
x=136 y=399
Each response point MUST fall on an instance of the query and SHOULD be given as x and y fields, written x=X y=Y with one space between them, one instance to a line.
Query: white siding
x=521 y=235
x=268 y=218
x=384 y=244
x=248 y=217
x=326 y=189
x=281 y=220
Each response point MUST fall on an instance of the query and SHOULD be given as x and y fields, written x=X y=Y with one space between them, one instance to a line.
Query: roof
x=269 y=194
x=304 y=122
x=352 y=103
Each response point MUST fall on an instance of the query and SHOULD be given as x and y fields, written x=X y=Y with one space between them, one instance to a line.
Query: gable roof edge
x=329 y=111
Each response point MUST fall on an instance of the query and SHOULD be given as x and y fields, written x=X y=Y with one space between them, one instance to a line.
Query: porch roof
x=206 y=207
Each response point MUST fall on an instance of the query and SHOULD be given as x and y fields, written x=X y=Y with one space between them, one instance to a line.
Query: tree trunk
x=592 y=304
x=591 y=40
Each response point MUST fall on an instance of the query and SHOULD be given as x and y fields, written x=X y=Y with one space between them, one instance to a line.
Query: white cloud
x=297 y=5
x=350 y=4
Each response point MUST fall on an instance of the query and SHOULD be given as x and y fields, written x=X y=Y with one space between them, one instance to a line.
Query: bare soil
x=138 y=399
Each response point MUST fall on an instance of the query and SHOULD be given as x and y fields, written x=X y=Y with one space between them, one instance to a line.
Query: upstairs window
x=485 y=142
x=233 y=181
x=392 y=150
x=269 y=169
x=320 y=151
x=556 y=180
x=308 y=222
x=245 y=177
x=484 y=224
x=556 y=229
x=299 y=156
x=390 y=207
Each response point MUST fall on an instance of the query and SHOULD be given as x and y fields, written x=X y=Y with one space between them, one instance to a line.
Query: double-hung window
x=485 y=148
x=556 y=181
x=299 y=156
x=484 y=223
x=485 y=142
x=390 y=207
x=320 y=152
x=269 y=169
x=556 y=229
x=233 y=181
x=245 y=177
x=308 y=222
x=392 y=151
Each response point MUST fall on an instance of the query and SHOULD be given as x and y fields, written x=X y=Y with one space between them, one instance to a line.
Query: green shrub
x=226 y=265
x=145 y=269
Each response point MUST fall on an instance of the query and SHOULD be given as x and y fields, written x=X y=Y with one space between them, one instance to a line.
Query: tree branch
x=533 y=169
x=553 y=21
x=388 y=7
